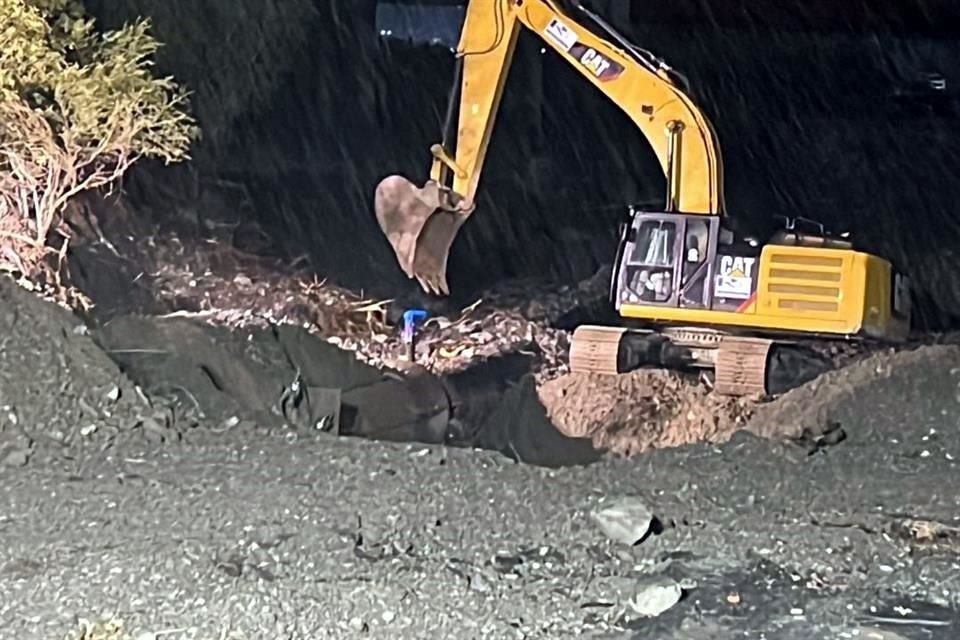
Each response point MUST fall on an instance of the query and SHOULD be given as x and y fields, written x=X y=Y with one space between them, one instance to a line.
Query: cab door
x=697 y=261
x=650 y=270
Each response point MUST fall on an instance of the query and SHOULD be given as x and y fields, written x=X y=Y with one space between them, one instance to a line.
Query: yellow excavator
x=691 y=293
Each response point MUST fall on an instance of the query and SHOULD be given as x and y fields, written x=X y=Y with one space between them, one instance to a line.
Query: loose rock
x=15 y=458
x=656 y=595
x=627 y=521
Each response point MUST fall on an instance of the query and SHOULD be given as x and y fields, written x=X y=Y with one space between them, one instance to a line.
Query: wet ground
x=155 y=472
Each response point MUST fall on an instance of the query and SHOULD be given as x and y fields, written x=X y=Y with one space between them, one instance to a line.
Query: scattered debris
x=105 y=628
x=816 y=439
x=628 y=520
x=655 y=595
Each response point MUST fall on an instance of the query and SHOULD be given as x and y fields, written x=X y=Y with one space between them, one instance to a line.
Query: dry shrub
x=77 y=109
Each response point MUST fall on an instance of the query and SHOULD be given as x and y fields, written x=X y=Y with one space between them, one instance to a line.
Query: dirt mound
x=644 y=409
x=647 y=409
x=811 y=406
x=58 y=390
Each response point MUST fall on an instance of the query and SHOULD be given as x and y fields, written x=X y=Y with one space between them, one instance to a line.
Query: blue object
x=411 y=318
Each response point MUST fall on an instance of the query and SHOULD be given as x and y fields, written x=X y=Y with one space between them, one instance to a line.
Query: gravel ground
x=323 y=537
x=257 y=533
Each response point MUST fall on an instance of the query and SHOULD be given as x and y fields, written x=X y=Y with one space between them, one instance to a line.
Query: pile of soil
x=810 y=409
x=59 y=392
x=644 y=409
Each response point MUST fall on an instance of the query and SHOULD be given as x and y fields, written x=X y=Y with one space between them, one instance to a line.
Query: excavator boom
x=422 y=222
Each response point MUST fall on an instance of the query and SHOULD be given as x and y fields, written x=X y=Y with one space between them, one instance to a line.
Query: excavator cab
x=671 y=259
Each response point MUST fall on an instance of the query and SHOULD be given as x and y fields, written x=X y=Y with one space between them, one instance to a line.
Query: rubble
x=508 y=320
x=627 y=520
x=655 y=595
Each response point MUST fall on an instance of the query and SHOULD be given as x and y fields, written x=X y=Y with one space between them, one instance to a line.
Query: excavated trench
x=284 y=378
x=234 y=338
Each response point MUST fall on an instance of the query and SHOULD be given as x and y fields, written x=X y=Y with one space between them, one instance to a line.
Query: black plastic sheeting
x=288 y=377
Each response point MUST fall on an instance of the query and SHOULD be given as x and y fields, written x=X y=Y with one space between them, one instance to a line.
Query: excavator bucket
x=420 y=223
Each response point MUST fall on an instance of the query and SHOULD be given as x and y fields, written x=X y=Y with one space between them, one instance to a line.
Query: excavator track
x=741 y=366
x=739 y=363
x=596 y=350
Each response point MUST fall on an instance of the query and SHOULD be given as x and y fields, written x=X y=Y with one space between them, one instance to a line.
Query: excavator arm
x=421 y=223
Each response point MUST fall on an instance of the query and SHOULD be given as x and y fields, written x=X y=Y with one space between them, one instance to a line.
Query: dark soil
x=254 y=531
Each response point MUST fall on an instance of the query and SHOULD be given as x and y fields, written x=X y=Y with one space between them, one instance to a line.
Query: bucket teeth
x=420 y=223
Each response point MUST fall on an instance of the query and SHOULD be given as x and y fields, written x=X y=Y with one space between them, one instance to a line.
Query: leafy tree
x=77 y=109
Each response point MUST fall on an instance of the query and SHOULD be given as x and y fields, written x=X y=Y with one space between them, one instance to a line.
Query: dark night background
x=820 y=110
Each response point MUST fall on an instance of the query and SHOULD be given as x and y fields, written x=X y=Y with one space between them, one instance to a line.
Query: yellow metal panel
x=799 y=289
x=808 y=284
x=877 y=303
x=779 y=257
x=836 y=291
x=803 y=289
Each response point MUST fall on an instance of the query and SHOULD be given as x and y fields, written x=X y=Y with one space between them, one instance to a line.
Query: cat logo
x=595 y=62
x=602 y=67
x=735 y=279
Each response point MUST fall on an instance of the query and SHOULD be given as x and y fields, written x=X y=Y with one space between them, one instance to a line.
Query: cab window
x=655 y=243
